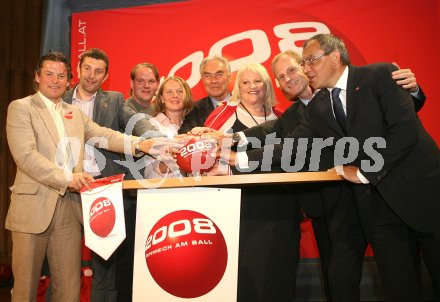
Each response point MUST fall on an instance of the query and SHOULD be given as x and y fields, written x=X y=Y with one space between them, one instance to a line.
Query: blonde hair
x=269 y=98
x=159 y=105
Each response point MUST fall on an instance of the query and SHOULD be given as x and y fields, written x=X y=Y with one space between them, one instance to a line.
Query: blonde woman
x=173 y=102
x=251 y=104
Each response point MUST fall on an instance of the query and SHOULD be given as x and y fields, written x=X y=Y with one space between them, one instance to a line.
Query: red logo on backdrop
x=196 y=156
x=102 y=216
x=186 y=254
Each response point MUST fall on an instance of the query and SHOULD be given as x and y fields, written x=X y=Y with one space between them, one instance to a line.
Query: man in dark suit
x=106 y=109
x=295 y=86
x=336 y=226
x=330 y=220
x=215 y=73
x=395 y=175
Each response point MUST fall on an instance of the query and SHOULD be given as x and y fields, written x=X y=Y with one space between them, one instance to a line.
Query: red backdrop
x=177 y=36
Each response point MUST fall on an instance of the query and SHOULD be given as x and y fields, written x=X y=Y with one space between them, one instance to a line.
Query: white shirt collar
x=49 y=104
x=342 y=82
x=74 y=97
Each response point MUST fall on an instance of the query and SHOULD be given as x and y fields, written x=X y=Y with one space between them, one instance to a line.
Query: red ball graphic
x=186 y=254
x=102 y=216
x=196 y=156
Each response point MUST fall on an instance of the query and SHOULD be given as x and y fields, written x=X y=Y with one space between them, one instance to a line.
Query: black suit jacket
x=307 y=195
x=197 y=117
x=377 y=107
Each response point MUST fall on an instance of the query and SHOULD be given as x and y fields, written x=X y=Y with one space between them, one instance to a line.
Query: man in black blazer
x=395 y=175
x=215 y=73
x=336 y=226
x=295 y=86
x=329 y=205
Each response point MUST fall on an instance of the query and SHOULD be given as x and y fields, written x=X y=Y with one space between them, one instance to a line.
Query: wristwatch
x=236 y=137
x=138 y=144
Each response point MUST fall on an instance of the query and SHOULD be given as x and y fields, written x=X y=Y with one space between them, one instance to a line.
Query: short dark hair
x=54 y=56
x=97 y=54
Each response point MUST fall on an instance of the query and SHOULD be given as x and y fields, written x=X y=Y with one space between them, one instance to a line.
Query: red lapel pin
x=68 y=115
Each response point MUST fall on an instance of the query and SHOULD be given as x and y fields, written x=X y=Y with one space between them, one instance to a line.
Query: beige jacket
x=33 y=138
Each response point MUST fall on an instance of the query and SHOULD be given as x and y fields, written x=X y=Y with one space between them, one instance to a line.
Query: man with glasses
x=330 y=206
x=215 y=73
x=397 y=199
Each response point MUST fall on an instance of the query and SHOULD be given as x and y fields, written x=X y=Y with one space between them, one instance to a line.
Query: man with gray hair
x=397 y=202
x=215 y=73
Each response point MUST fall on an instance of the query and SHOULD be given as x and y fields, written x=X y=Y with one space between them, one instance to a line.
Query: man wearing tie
x=395 y=185
x=335 y=217
x=215 y=73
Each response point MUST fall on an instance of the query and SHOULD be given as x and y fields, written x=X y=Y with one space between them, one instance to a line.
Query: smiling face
x=92 y=73
x=173 y=96
x=252 y=88
x=215 y=79
x=292 y=80
x=144 y=85
x=52 y=80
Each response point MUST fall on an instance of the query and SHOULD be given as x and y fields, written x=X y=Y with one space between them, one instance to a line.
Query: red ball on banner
x=102 y=216
x=186 y=254
x=196 y=156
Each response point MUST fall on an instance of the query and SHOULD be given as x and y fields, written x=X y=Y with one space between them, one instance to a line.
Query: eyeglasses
x=289 y=73
x=313 y=60
x=209 y=76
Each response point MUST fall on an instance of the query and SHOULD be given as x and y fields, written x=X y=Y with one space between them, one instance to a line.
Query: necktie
x=339 y=110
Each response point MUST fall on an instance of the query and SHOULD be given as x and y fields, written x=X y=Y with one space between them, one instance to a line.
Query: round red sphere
x=102 y=216
x=186 y=254
x=196 y=156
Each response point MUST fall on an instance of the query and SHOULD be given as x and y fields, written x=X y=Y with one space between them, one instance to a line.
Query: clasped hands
x=165 y=150
x=223 y=142
x=161 y=148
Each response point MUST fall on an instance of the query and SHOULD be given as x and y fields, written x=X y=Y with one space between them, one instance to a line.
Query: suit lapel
x=354 y=78
x=325 y=110
x=43 y=111
x=71 y=116
x=101 y=103
x=68 y=97
x=69 y=119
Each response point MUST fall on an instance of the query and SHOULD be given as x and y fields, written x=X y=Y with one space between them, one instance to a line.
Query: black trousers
x=341 y=243
x=398 y=248
x=269 y=244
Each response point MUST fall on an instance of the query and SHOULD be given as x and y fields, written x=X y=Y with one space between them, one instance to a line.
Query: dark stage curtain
x=20 y=39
